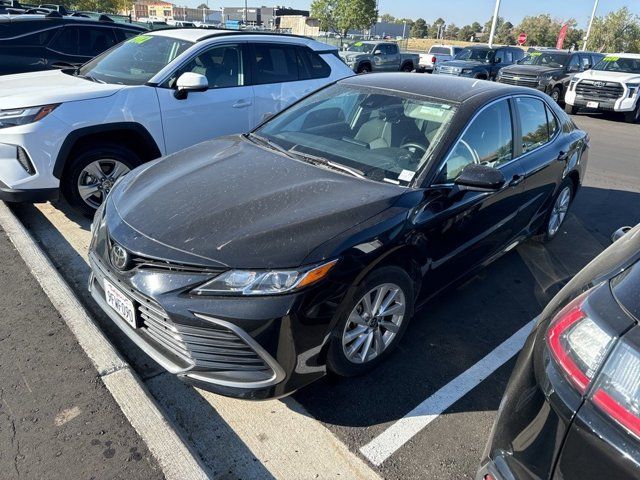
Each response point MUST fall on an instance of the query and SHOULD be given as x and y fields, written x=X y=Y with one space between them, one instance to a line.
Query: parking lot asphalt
x=447 y=337
x=57 y=419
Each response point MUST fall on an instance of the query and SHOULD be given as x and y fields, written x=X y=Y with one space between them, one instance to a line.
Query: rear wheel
x=373 y=322
x=570 y=109
x=92 y=172
x=407 y=67
x=558 y=213
x=633 y=116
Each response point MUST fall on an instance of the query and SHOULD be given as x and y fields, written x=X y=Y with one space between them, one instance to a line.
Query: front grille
x=154 y=264
x=448 y=70
x=519 y=80
x=595 y=90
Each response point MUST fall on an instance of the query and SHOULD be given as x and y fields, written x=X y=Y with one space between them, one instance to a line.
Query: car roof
x=201 y=34
x=624 y=55
x=57 y=20
x=443 y=87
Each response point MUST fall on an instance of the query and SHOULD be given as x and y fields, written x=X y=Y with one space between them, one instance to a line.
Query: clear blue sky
x=462 y=12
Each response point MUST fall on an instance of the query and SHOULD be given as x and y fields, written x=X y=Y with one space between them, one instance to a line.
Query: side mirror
x=618 y=234
x=480 y=178
x=573 y=69
x=378 y=52
x=190 y=82
x=498 y=60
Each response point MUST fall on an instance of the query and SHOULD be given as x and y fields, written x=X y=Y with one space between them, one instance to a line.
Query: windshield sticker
x=140 y=39
x=358 y=44
x=610 y=59
x=406 y=175
x=536 y=54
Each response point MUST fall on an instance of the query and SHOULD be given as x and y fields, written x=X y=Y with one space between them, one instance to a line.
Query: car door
x=391 y=57
x=225 y=108
x=462 y=228
x=503 y=58
x=544 y=154
x=278 y=78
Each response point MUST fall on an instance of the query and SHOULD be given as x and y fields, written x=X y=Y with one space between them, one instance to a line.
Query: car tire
x=556 y=94
x=557 y=214
x=407 y=67
x=634 y=115
x=363 y=69
x=382 y=333
x=570 y=109
x=110 y=160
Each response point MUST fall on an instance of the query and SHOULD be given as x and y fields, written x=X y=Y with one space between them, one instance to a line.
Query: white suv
x=157 y=93
x=613 y=84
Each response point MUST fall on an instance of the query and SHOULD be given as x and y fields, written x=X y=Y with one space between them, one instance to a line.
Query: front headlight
x=633 y=88
x=466 y=70
x=23 y=116
x=264 y=282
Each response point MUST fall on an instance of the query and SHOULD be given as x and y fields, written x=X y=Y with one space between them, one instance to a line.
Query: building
x=299 y=25
x=152 y=9
x=266 y=17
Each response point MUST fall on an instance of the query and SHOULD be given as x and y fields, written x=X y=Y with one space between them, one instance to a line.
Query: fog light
x=25 y=161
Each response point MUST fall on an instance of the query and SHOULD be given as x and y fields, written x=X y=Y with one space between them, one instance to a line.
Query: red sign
x=522 y=38
x=561 y=35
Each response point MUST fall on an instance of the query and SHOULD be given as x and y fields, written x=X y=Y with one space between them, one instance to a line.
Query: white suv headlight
x=23 y=116
x=265 y=282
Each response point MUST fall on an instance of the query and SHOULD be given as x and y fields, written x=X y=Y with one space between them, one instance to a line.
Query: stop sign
x=522 y=38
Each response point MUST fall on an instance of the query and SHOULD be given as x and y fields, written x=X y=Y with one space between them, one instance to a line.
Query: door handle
x=241 y=104
x=562 y=156
x=516 y=180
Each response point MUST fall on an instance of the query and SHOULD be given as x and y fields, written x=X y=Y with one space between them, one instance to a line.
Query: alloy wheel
x=555 y=95
x=559 y=211
x=97 y=179
x=373 y=323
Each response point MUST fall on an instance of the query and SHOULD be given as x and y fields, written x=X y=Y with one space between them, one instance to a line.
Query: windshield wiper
x=323 y=161
x=268 y=143
x=86 y=77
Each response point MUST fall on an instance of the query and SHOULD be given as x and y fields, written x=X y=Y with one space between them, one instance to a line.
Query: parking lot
x=371 y=424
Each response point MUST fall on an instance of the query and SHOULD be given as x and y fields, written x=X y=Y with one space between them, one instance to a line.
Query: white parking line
x=394 y=437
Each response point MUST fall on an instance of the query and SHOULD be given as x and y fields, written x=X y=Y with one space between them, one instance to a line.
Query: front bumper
x=625 y=103
x=36 y=195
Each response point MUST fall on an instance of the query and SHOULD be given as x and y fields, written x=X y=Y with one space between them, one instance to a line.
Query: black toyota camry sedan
x=251 y=264
x=571 y=409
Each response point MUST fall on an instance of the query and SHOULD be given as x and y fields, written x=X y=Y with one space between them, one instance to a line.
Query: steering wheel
x=414 y=147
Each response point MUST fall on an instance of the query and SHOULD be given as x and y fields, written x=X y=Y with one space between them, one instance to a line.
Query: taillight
x=617 y=389
x=577 y=343
x=433 y=59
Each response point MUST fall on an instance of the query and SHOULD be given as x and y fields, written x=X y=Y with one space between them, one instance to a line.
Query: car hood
x=346 y=53
x=531 y=70
x=466 y=63
x=230 y=202
x=51 y=86
x=608 y=76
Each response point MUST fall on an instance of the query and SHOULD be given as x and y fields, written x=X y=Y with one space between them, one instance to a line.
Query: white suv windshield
x=135 y=61
x=614 y=63
x=381 y=135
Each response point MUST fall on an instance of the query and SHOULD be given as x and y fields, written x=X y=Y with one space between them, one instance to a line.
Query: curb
x=175 y=458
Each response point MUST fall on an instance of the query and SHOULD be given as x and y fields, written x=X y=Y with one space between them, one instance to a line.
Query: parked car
x=30 y=43
x=367 y=57
x=78 y=130
x=251 y=264
x=612 y=85
x=571 y=408
x=549 y=71
x=436 y=55
x=480 y=61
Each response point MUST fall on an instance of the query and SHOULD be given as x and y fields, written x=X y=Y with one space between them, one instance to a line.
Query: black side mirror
x=480 y=178
x=498 y=60
x=573 y=69
x=618 y=234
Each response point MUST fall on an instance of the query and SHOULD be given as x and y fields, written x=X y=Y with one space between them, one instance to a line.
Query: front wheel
x=556 y=94
x=362 y=69
x=373 y=322
x=570 y=109
x=91 y=174
x=634 y=115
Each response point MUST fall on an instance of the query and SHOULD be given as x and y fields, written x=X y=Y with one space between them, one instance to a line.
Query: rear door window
x=533 y=121
x=66 y=41
x=274 y=63
x=311 y=65
x=95 y=40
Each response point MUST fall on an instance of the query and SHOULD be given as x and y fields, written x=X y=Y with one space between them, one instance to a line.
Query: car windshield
x=360 y=47
x=379 y=135
x=614 y=63
x=441 y=50
x=545 y=59
x=477 y=54
x=135 y=61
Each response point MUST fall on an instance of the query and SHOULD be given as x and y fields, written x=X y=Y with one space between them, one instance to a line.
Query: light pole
x=593 y=14
x=494 y=23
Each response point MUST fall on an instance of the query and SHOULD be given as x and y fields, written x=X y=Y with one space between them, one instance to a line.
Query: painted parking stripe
x=394 y=437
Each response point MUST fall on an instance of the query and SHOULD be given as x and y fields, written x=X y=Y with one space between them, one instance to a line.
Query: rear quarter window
x=311 y=65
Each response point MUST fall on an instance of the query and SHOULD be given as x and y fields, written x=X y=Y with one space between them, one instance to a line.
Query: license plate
x=593 y=104
x=120 y=303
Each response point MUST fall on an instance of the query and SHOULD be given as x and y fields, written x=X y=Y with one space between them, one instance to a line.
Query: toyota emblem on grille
x=119 y=257
x=599 y=84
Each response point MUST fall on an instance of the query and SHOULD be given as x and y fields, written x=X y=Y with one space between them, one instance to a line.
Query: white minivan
x=79 y=130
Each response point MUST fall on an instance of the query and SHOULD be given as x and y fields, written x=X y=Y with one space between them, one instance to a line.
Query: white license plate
x=120 y=303
x=593 y=104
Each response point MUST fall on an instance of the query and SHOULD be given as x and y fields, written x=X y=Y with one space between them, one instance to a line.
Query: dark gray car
x=480 y=62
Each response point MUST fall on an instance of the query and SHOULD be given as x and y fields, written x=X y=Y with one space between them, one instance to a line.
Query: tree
x=106 y=6
x=476 y=27
x=419 y=29
x=466 y=33
x=387 y=18
x=451 y=32
x=487 y=25
x=505 y=34
x=355 y=14
x=325 y=12
x=619 y=31
x=542 y=30
x=434 y=31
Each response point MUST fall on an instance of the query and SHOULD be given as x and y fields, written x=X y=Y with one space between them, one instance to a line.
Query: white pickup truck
x=613 y=84
x=437 y=54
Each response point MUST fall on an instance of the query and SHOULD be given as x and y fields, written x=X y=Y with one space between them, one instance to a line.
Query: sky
x=462 y=12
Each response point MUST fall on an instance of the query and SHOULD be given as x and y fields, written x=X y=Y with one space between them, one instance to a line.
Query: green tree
x=435 y=28
x=505 y=34
x=355 y=14
x=451 y=32
x=325 y=12
x=466 y=33
x=618 y=31
x=487 y=25
x=419 y=29
x=387 y=18
x=542 y=30
x=476 y=27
